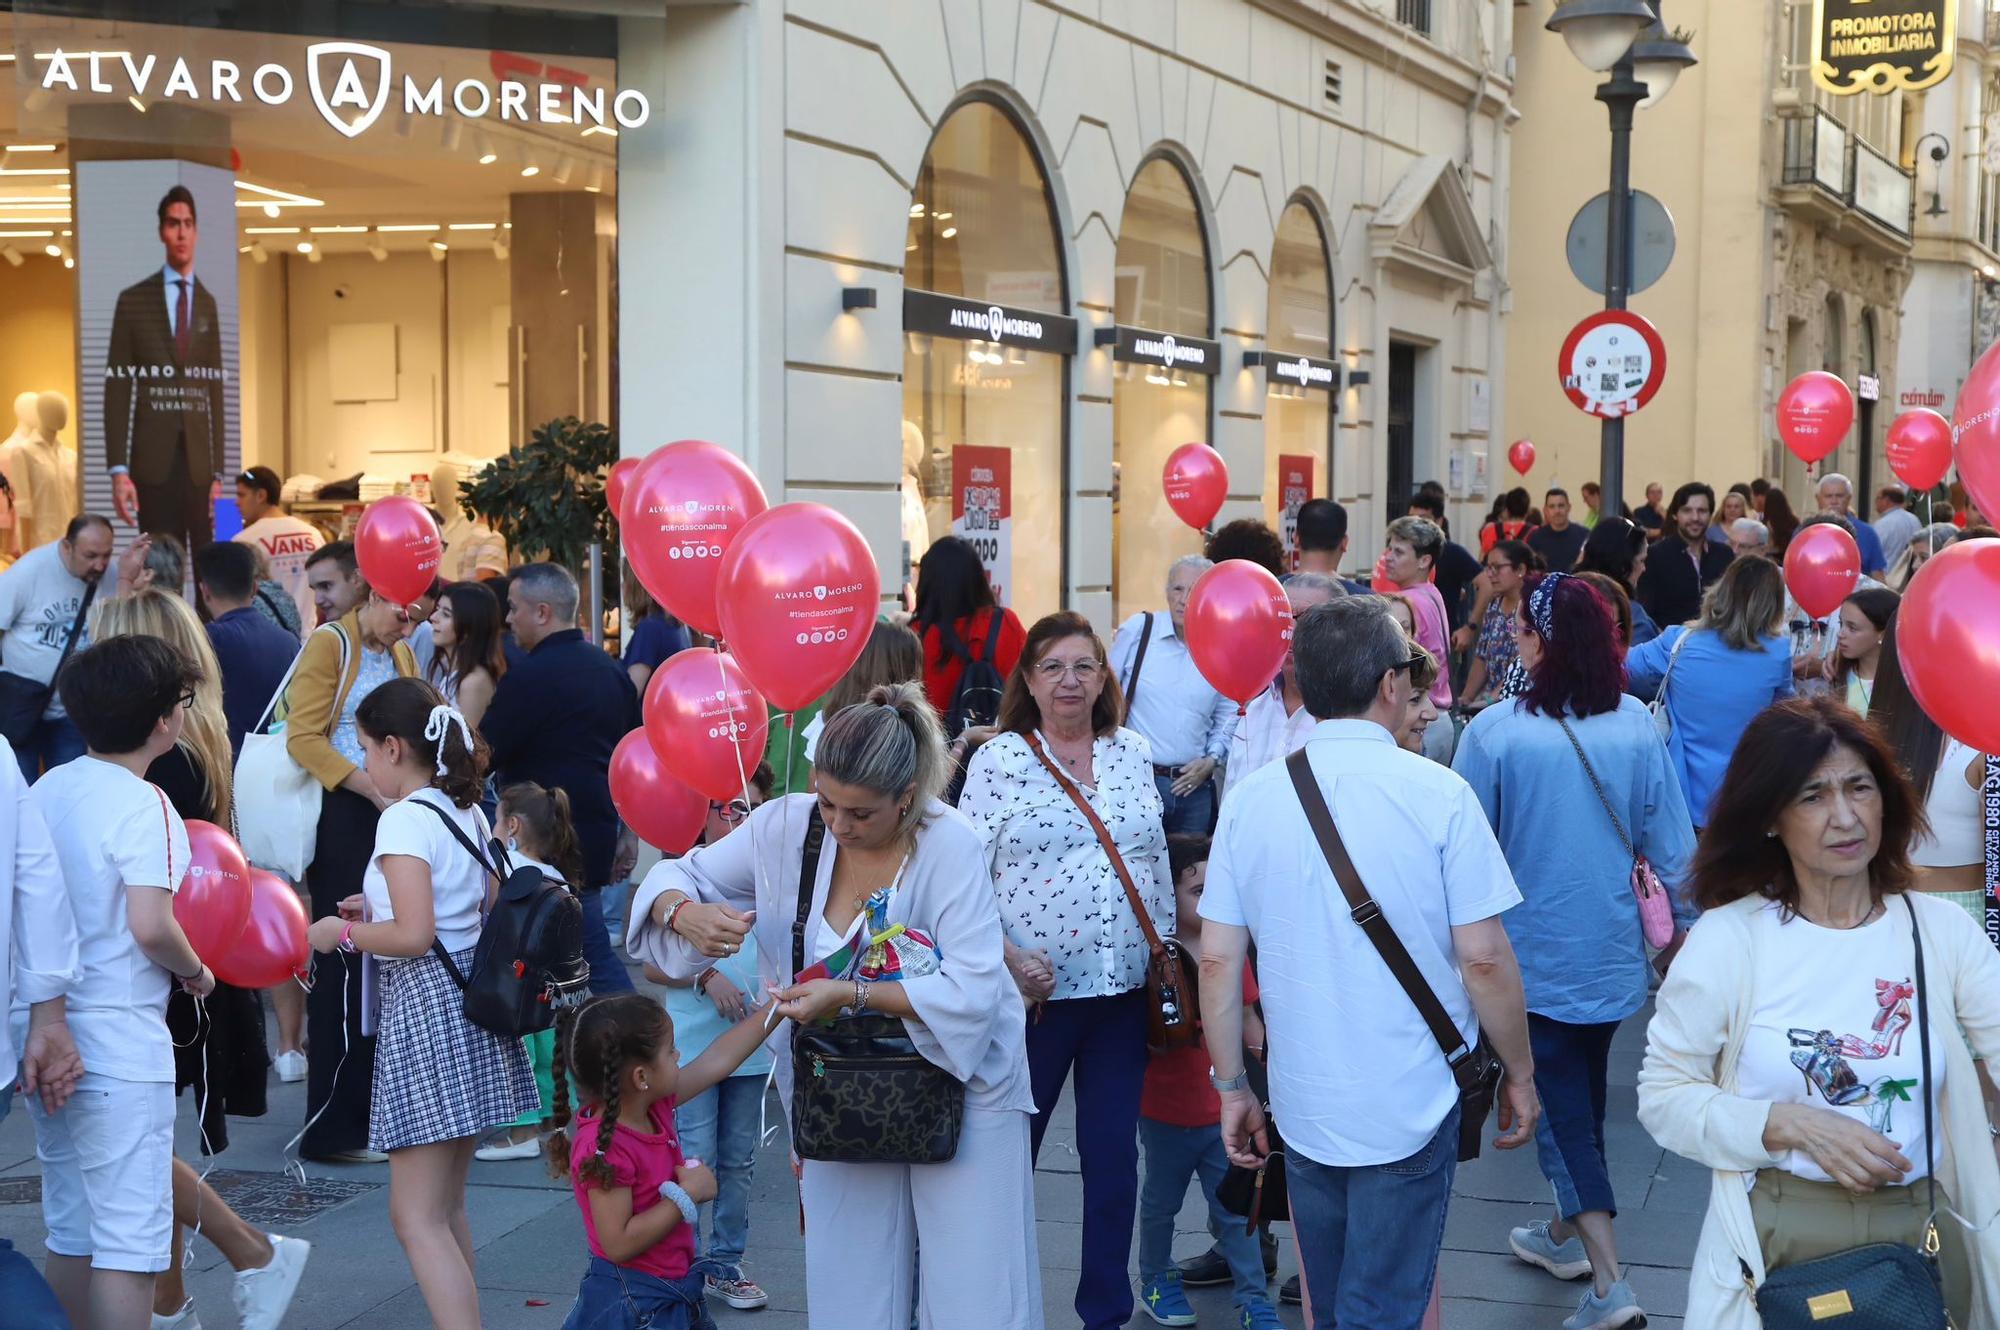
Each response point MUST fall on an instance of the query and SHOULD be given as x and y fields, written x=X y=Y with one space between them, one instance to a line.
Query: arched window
x=983 y=418
x=1163 y=287
x=1298 y=408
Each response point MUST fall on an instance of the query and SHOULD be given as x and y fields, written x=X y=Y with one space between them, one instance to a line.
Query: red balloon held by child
x=272 y=947
x=213 y=903
x=705 y=721
x=661 y=810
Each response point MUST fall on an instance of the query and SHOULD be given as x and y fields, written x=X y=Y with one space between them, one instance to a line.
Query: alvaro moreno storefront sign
x=350 y=84
x=1882 y=45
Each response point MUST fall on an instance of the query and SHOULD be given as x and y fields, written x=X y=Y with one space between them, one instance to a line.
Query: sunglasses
x=735 y=810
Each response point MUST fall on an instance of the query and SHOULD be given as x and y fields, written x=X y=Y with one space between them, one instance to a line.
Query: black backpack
x=529 y=960
x=976 y=700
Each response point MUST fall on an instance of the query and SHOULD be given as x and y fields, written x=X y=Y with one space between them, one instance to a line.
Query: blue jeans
x=1192 y=814
x=1377 y=1271
x=1104 y=1038
x=617 y=1297
x=607 y=966
x=1172 y=1154
x=1571 y=1068
x=54 y=742
x=719 y=1127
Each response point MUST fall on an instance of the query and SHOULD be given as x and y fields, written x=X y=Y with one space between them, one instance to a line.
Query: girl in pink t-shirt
x=637 y=1192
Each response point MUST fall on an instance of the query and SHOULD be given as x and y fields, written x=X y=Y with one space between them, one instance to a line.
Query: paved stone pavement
x=531 y=1252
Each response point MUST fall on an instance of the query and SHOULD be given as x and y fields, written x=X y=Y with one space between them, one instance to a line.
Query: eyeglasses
x=735 y=810
x=1501 y=566
x=186 y=700
x=1052 y=671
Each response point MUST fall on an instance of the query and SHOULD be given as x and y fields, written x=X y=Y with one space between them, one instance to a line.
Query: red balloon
x=615 y=481
x=1239 y=627
x=1521 y=455
x=1948 y=636
x=683 y=506
x=398 y=548
x=214 y=900
x=1975 y=429
x=799 y=593
x=1919 y=446
x=1822 y=566
x=272 y=947
x=1197 y=481
x=705 y=721
x=1814 y=412
x=663 y=812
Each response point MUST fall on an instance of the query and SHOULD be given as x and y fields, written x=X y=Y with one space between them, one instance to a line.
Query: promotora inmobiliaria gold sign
x=1882 y=45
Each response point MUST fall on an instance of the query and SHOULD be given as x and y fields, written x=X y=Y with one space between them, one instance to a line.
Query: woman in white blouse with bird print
x=1074 y=945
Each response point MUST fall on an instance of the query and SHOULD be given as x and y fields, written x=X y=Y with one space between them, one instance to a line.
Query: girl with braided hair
x=638 y=1192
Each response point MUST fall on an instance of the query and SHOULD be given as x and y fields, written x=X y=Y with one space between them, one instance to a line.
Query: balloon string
x=290 y=1162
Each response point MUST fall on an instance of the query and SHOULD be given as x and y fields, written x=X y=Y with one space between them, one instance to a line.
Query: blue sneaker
x=1163 y=1299
x=1564 y=1260
x=1615 y=1310
x=1258 y=1314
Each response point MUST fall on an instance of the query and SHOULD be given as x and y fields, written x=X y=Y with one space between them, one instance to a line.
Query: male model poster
x=166 y=377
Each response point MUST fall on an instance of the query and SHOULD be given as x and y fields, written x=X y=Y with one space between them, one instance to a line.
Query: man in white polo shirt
x=1364 y=1098
x=287 y=541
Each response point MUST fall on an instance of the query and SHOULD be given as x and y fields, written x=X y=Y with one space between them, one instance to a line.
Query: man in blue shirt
x=1836 y=495
x=254 y=652
x=554 y=720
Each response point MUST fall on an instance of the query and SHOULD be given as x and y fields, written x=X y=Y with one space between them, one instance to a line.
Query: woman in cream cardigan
x=1782 y=1053
x=341 y=664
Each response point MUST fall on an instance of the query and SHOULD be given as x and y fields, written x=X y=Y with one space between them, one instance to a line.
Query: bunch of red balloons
x=791 y=591
x=245 y=924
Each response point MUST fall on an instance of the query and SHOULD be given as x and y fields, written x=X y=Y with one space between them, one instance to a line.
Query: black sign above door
x=940 y=315
x=1143 y=346
x=1881 y=45
x=1296 y=371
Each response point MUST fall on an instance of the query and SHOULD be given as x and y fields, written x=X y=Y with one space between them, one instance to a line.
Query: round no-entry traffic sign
x=1612 y=363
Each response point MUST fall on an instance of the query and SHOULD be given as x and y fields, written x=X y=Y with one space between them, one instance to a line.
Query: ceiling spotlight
x=53 y=251
x=488 y=157
x=377 y=250
x=563 y=170
x=305 y=247
x=531 y=170
x=137 y=105
x=438 y=255
x=596 y=185
x=69 y=263
x=271 y=210
x=454 y=133
x=948 y=232
x=258 y=254
x=500 y=248
x=12 y=255
x=316 y=256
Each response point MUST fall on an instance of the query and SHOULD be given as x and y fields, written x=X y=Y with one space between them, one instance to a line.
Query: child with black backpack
x=440 y=1080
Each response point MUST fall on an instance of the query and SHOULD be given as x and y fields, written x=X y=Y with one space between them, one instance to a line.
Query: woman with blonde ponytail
x=895 y=861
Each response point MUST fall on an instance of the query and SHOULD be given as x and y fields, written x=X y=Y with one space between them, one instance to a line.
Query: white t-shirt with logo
x=39 y=598
x=112 y=832
x=458 y=883
x=287 y=542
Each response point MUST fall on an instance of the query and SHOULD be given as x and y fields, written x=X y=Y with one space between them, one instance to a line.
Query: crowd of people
x=1490 y=804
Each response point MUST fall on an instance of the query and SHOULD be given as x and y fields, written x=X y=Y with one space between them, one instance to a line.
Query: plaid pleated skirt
x=439 y=1077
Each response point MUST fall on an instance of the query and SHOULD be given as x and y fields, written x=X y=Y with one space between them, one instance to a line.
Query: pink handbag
x=1656 y=908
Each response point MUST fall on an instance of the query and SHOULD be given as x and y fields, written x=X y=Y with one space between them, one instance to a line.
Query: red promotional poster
x=1295 y=486
x=982 y=507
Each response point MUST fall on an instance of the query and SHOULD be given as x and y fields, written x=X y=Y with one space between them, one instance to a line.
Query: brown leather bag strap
x=1368 y=916
x=1103 y=838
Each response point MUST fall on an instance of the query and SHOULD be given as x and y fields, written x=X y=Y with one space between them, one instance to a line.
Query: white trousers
x=973 y=1216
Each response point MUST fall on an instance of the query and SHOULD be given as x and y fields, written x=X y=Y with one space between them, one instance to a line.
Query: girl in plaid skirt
x=440 y=1080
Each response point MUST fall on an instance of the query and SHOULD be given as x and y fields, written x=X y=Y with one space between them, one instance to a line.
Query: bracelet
x=674 y=913
x=701 y=980
x=860 y=995
x=673 y=1191
x=1225 y=1084
x=346 y=944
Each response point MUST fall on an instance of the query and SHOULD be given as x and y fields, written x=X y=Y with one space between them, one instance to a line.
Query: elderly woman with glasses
x=1060 y=766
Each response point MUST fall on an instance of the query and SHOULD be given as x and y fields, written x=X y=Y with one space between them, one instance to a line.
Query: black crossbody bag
x=1884 y=1285
x=861 y=1091
x=22 y=700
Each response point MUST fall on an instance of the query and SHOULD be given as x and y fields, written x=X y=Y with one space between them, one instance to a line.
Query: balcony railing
x=1414 y=14
x=1826 y=156
x=1882 y=190
x=1816 y=152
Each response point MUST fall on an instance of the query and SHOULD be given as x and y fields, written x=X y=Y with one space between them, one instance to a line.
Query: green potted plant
x=546 y=497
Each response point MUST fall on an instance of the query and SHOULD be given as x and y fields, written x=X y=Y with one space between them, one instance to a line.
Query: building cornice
x=1372 y=37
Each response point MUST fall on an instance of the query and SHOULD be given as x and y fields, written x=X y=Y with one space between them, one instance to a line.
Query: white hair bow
x=439 y=725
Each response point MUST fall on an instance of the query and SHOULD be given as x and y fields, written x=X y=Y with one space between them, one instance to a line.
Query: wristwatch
x=1240 y=1081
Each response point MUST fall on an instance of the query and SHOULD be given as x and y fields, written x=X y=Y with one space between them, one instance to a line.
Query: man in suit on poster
x=163 y=404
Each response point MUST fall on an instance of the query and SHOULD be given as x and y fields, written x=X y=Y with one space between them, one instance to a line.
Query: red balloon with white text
x=213 y=902
x=1196 y=481
x=397 y=547
x=1822 y=567
x=799 y=593
x=1948 y=636
x=1521 y=456
x=1814 y=412
x=684 y=504
x=272 y=947
x=662 y=811
x=1239 y=627
x=1919 y=447
x=1975 y=428
x=706 y=721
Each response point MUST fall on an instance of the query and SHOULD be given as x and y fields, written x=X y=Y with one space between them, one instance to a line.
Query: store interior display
x=473 y=551
x=41 y=472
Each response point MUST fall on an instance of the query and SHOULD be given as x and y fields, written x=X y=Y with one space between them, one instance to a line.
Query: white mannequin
x=916 y=525
x=26 y=420
x=473 y=551
x=41 y=468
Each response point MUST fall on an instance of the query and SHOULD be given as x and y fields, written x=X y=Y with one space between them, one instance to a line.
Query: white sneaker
x=184 y=1319
x=291 y=1065
x=264 y=1294
x=503 y=1149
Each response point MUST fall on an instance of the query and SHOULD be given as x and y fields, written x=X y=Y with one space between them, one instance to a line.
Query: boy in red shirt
x=1180 y=1119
